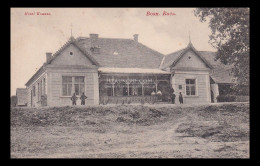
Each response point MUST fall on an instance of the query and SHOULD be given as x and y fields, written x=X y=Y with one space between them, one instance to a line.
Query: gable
x=77 y=58
x=190 y=59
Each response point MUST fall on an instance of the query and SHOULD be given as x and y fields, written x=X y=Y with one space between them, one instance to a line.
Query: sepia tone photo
x=129 y=83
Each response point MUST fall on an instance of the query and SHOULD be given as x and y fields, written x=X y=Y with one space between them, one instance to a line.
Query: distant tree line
x=13 y=101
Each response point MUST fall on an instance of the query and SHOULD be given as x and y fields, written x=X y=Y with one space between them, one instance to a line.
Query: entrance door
x=165 y=88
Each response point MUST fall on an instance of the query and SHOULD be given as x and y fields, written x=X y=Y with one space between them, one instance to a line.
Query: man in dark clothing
x=74 y=99
x=180 y=98
x=173 y=98
x=82 y=98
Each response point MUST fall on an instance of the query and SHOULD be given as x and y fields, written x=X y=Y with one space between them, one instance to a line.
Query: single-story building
x=21 y=97
x=111 y=70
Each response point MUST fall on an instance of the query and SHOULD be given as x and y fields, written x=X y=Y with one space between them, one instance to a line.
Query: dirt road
x=108 y=137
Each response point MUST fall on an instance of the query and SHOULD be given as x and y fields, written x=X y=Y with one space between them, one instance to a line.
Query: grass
x=131 y=131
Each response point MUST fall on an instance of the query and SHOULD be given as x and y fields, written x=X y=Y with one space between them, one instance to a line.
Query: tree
x=13 y=101
x=230 y=36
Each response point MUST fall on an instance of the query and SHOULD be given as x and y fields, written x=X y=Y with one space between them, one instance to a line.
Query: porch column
x=128 y=89
x=156 y=84
x=128 y=85
x=214 y=89
x=113 y=89
x=142 y=89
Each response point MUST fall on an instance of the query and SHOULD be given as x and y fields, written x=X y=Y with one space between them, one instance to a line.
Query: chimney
x=94 y=43
x=93 y=36
x=48 y=57
x=136 y=37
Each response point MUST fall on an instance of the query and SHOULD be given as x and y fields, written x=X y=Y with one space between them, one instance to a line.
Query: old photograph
x=130 y=83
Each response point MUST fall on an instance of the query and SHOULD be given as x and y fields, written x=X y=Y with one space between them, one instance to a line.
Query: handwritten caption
x=164 y=13
x=37 y=13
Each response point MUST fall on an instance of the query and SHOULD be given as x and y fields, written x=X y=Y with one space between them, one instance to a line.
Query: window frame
x=78 y=83
x=44 y=86
x=66 y=83
x=38 y=90
x=34 y=89
x=191 y=85
x=73 y=85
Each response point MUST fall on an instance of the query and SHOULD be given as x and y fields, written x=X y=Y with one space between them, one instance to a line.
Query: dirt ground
x=131 y=131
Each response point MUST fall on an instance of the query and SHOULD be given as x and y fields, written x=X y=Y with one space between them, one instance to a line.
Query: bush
x=232 y=98
x=242 y=99
x=226 y=98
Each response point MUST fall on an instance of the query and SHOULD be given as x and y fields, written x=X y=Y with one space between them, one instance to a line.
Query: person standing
x=173 y=98
x=82 y=98
x=74 y=99
x=180 y=98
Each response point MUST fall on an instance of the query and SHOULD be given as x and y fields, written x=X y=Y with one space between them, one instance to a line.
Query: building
x=21 y=97
x=112 y=70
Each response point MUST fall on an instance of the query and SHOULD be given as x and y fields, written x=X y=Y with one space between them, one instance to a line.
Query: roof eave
x=37 y=73
x=74 y=42
x=190 y=47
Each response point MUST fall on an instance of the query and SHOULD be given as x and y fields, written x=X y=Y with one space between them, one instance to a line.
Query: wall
x=21 y=97
x=35 y=101
x=202 y=86
x=78 y=58
x=191 y=60
x=55 y=97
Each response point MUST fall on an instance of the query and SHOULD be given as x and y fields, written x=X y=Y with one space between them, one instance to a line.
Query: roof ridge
x=80 y=37
x=160 y=67
x=176 y=51
x=62 y=47
x=202 y=57
x=208 y=51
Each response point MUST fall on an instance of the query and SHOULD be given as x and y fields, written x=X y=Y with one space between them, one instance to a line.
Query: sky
x=34 y=35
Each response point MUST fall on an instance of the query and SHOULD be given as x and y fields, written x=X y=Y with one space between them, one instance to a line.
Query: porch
x=134 y=88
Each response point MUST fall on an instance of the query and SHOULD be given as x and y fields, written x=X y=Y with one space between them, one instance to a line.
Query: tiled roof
x=122 y=53
x=220 y=73
x=21 y=94
x=170 y=58
x=127 y=53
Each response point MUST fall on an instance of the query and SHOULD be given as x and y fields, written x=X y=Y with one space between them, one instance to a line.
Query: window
x=34 y=91
x=79 y=85
x=44 y=86
x=72 y=85
x=66 y=86
x=190 y=87
x=180 y=87
x=95 y=50
x=38 y=93
x=71 y=53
